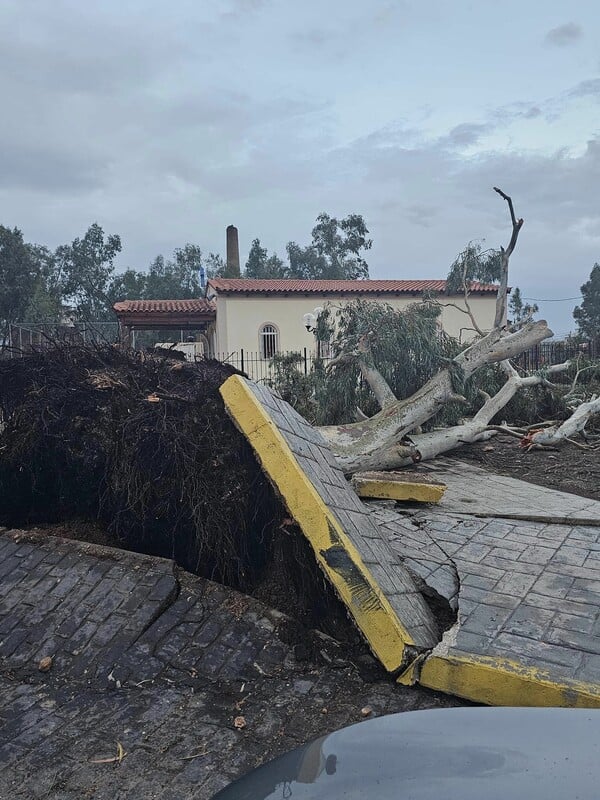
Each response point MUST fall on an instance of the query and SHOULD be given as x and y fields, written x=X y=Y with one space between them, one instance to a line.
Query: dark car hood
x=450 y=754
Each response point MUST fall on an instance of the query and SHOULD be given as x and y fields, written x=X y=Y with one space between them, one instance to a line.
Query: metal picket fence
x=27 y=337
x=259 y=368
x=547 y=353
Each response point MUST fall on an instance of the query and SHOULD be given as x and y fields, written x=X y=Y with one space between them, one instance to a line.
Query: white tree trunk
x=369 y=444
x=558 y=434
x=425 y=446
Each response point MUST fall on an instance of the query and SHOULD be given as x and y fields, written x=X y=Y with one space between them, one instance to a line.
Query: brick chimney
x=233 y=252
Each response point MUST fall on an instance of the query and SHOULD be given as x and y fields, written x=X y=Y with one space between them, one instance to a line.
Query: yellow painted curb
x=357 y=587
x=504 y=682
x=398 y=490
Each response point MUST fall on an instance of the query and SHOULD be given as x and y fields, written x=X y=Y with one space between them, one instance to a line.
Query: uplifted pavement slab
x=378 y=590
x=472 y=490
x=528 y=627
x=417 y=488
x=168 y=685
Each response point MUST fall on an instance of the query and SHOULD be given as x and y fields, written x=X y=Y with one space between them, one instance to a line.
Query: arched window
x=268 y=339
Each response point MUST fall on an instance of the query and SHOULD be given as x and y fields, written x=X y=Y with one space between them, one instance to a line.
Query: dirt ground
x=568 y=470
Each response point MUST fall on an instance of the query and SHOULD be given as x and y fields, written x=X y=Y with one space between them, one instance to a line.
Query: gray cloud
x=241 y=8
x=564 y=35
x=464 y=135
x=313 y=38
x=49 y=170
x=589 y=88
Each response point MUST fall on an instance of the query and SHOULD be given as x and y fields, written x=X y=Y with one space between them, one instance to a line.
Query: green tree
x=128 y=285
x=519 y=310
x=177 y=278
x=587 y=315
x=261 y=265
x=406 y=346
x=19 y=273
x=84 y=272
x=473 y=264
x=215 y=266
x=335 y=251
x=174 y=278
x=46 y=302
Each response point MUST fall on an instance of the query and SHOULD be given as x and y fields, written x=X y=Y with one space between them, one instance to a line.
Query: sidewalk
x=162 y=662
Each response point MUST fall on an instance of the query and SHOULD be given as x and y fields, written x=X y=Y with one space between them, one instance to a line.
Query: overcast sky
x=167 y=121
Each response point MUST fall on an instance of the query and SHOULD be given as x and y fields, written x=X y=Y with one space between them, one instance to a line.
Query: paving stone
x=538 y=653
x=529 y=621
x=486 y=620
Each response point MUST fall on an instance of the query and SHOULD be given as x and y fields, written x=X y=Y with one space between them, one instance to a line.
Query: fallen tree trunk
x=422 y=447
x=557 y=435
x=367 y=444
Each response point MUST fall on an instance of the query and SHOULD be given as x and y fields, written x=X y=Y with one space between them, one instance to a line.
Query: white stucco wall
x=239 y=318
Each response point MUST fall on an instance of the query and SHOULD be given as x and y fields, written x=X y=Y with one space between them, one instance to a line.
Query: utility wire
x=554 y=300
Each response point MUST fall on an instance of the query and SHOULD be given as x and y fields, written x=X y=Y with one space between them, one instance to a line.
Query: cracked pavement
x=163 y=663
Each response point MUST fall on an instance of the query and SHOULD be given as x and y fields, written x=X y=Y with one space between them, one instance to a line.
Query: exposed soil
x=142 y=444
x=568 y=470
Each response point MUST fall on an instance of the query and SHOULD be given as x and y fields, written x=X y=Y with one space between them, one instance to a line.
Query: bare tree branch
x=505 y=254
x=576 y=378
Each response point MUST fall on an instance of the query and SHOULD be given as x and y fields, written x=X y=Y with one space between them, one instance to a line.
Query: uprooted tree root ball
x=143 y=444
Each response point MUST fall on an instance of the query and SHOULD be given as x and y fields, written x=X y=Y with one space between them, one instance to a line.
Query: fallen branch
x=558 y=434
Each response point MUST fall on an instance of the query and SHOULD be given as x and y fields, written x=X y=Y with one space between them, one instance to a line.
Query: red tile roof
x=244 y=285
x=196 y=306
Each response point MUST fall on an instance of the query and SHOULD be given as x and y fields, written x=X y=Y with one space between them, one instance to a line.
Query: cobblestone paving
x=528 y=591
x=472 y=490
x=420 y=551
x=162 y=662
x=318 y=463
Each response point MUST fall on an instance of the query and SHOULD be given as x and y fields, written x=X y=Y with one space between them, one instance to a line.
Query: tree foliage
x=19 y=275
x=262 y=265
x=473 y=264
x=587 y=315
x=413 y=332
x=336 y=250
x=519 y=310
x=84 y=272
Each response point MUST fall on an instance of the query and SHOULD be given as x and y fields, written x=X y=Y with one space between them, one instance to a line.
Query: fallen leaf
x=45 y=664
x=195 y=755
x=116 y=759
x=239 y=723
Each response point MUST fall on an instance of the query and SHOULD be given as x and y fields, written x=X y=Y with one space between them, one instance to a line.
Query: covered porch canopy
x=166 y=315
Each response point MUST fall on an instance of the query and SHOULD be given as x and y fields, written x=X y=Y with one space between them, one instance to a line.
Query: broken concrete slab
x=380 y=593
x=528 y=624
x=419 y=550
x=474 y=491
x=402 y=486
